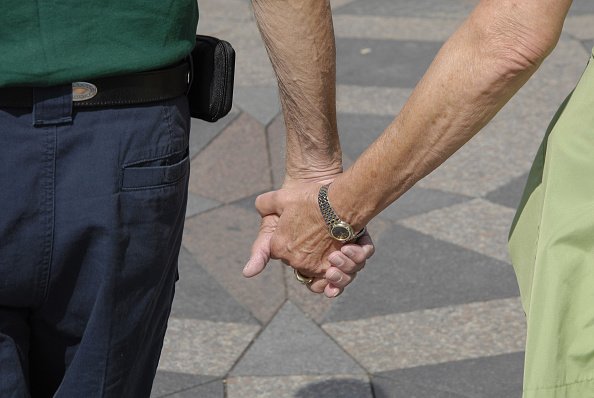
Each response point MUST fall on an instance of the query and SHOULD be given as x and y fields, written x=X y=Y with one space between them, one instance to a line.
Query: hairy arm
x=299 y=38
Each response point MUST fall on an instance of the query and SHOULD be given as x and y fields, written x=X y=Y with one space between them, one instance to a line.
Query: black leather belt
x=134 y=88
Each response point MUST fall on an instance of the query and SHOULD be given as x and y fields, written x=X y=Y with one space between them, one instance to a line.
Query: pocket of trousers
x=155 y=173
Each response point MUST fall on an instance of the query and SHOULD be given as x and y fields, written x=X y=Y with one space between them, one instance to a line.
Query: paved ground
x=436 y=312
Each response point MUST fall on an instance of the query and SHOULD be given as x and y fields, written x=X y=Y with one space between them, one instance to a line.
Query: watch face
x=341 y=232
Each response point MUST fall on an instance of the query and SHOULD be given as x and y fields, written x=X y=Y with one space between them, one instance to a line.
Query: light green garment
x=552 y=250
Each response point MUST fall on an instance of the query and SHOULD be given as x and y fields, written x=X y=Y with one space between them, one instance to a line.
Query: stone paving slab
x=169 y=383
x=580 y=7
x=488 y=377
x=376 y=101
x=224 y=251
x=368 y=62
x=418 y=8
x=194 y=285
x=394 y=28
x=433 y=336
x=294 y=345
x=234 y=165
x=477 y=225
x=201 y=347
x=198 y=204
x=262 y=103
x=358 y=131
x=214 y=389
x=411 y=271
x=418 y=201
x=510 y=194
x=300 y=387
x=202 y=133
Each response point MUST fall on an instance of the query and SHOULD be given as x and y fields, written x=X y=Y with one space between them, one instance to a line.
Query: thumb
x=269 y=203
x=261 y=248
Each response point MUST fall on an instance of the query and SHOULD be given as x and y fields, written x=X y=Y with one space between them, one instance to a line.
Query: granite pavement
x=436 y=312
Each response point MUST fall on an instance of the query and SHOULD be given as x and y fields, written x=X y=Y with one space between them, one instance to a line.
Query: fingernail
x=348 y=251
x=337 y=293
x=336 y=260
x=335 y=277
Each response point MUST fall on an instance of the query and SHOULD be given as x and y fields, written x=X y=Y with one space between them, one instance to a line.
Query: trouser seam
x=49 y=212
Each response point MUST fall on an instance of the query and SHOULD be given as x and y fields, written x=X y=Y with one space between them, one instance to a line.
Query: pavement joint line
x=189 y=388
x=339 y=345
x=206 y=211
x=582 y=42
x=232 y=118
x=256 y=336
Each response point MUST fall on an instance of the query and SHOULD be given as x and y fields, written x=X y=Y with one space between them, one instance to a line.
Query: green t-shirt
x=48 y=42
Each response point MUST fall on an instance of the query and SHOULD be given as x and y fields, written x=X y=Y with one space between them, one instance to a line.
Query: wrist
x=339 y=228
x=322 y=175
x=349 y=206
x=313 y=161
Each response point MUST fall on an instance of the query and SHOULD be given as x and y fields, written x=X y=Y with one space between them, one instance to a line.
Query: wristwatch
x=339 y=229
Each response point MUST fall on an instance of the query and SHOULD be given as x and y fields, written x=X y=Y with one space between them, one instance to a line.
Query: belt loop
x=52 y=105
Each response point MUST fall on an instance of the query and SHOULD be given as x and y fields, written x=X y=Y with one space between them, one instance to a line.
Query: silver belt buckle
x=83 y=91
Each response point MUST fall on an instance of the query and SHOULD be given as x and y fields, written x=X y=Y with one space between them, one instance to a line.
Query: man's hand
x=294 y=231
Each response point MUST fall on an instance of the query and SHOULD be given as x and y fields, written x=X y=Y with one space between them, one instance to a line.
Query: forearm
x=476 y=72
x=299 y=38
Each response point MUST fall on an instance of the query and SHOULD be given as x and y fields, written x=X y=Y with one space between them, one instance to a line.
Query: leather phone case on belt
x=211 y=85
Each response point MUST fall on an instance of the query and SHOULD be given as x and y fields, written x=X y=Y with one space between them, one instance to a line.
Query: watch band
x=338 y=229
x=328 y=213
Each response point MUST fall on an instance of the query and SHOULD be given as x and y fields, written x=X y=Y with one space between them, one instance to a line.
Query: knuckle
x=259 y=202
x=360 y=258
x=349 y=267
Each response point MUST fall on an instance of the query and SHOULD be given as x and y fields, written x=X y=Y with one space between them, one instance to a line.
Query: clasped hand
x=293 y=230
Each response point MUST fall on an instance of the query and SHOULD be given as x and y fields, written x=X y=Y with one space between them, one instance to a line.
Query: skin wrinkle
x=300 y=107
x=301 y=248
x=527 y=39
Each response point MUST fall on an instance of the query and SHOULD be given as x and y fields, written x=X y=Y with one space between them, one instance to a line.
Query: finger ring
x=306 y=280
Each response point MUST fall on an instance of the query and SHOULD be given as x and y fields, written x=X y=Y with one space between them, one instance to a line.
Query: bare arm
x=299 y=38
x=474 y=75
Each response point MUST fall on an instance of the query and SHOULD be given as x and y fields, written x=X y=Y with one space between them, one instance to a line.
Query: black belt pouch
x=211 y=87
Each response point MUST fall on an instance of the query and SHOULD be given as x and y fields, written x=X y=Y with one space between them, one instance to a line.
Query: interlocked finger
x=318 y=285
x=346 y=264
x=339 y=279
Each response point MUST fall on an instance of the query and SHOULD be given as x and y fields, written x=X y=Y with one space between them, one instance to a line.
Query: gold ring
x=306 y=280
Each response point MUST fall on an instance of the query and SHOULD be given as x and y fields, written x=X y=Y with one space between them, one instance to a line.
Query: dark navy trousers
x=92 y=205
